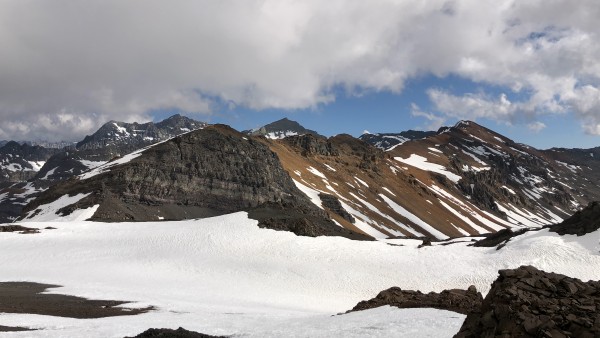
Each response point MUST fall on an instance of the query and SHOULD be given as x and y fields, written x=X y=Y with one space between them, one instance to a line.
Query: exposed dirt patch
x=26 y=297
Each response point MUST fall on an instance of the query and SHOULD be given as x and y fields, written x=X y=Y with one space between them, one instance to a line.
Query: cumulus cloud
x=536 y=126
x=67 y=65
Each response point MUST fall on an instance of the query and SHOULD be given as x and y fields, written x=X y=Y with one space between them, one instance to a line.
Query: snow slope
x=225 y=276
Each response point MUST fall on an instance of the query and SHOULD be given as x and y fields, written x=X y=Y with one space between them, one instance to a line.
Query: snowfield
x=226 y=276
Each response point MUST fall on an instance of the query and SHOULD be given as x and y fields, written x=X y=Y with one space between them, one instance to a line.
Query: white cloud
x=118 y=59
x=536 y=126
x=435 y=121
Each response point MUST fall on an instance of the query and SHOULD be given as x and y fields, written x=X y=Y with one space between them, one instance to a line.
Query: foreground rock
x=461 y=301
x=527 y=302
x=170 y=333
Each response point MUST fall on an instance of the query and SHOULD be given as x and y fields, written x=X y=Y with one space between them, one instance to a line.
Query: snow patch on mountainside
x=316 y=172
x=413 y=218
x=421 y=162
x=92 y=164
x=311 y=193
x=275 y=135
x=49 y=212
x=36 y=165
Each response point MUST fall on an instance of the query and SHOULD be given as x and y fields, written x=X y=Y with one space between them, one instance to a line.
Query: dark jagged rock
x=170 y=333
x=461 y=301
x=371 y=157
x=18 y=228
x=332 y=204
x=208 y=172
x=527 y=302
x=14 y=329
x=498 y=239
x=426 y=242
x=311 y=145
x=581 y=223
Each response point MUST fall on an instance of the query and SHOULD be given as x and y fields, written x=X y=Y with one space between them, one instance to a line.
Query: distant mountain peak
x=116 y=133
x=280 y=129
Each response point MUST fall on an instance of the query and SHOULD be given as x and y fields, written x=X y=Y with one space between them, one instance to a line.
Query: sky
x=527 y=69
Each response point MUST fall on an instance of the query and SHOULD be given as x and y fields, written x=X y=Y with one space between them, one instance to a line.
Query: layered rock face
x=204 y=173
x=461 y=301
x=527 y=302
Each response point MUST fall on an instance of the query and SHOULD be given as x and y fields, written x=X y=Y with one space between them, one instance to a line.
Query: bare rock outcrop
x=582 y=222
x=333 y=204
x=457 y=300
x=527 y=302
x=170 y=333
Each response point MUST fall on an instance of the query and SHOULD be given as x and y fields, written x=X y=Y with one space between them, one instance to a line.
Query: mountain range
x=185 y=224
x=462 y=180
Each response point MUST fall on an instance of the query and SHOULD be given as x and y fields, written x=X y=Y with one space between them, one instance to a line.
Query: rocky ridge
x=388 y=141
x=208 y=172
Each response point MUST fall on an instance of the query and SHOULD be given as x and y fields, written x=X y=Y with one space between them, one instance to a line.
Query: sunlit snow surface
x=421 y=162
x=50 y=212
x=226 y=276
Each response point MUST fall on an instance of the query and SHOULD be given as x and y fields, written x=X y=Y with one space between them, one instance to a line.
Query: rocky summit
x=280 y=129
